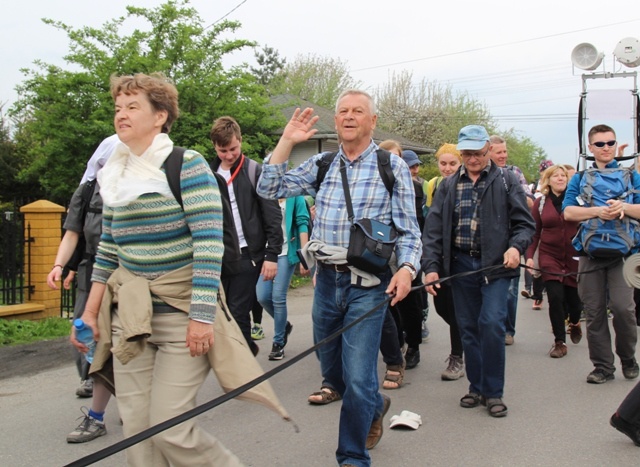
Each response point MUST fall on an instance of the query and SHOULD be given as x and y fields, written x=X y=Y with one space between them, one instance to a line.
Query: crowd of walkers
x=163 y=239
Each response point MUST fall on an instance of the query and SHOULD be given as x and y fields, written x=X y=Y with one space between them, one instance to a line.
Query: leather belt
x=472 y=253
x=334 y=267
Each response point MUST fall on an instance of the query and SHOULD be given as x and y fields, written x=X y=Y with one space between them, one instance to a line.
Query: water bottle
x=84 y=334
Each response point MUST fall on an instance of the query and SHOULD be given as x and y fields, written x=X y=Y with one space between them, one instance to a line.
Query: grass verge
x=16 y=331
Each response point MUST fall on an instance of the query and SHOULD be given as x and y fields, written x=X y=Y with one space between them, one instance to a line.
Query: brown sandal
x=327 y=396
x=394 y=376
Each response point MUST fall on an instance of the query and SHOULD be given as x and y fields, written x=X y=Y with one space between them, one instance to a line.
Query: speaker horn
x=586 y=57
x=627 y=52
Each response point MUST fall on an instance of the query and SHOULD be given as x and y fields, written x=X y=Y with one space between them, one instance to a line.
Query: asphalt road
x=555 y=417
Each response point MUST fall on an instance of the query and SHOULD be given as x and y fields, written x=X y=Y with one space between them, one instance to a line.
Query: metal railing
x=13 y=279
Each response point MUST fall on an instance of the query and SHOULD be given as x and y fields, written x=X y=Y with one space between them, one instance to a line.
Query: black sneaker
x=412 y=357
x=630 y=368
x=599 y=376
x=629 y=429
x=287 y=330
x=277 y=352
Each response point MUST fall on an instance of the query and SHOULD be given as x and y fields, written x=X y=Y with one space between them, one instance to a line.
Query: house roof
x=325 y=126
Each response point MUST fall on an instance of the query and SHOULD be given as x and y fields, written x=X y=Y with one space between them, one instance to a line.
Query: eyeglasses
x=600 y=144
x=478 y=156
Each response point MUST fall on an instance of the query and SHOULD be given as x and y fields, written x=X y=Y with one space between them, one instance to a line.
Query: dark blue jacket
x=505 y=221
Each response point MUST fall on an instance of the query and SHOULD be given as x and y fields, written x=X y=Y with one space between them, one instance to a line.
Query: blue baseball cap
x=472 y=138
x=410 y=157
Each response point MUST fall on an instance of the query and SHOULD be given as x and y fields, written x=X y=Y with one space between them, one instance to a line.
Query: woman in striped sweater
x=159 y=263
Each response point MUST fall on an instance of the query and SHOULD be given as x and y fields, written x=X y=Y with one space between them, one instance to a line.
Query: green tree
x=525 y=154
x=427 y=112
x=63 y=115
x=269 y=65
x=432 y=114
x=314 y=78
x=12 y=187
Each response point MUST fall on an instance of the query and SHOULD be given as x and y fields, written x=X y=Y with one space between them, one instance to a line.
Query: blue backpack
x=607 y=239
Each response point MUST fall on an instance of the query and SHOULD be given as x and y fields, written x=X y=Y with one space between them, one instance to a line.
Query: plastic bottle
x=84 y=334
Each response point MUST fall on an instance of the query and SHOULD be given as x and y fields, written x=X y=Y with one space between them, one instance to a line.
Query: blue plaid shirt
x=369 y=197
x=466 y=219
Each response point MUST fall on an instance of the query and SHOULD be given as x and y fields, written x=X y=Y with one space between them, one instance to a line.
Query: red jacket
x=553 y=240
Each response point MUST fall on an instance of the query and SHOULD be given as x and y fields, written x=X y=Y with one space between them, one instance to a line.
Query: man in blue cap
x=478 y=221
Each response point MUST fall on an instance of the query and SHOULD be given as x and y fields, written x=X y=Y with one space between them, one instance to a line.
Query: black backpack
x=384 y=167
x=85 y=207
x=172 y=167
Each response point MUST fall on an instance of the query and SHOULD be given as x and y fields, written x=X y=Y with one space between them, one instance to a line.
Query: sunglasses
x=600 y=144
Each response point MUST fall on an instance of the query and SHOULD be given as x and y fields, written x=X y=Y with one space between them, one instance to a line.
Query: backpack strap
x=384 y=168
x=85 y=196
x=323 y=167
x=386 y=172
x=504 y=180
x=252 y=168
x=172 y=168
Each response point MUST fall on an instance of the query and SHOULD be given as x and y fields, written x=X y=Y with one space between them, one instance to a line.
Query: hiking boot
x=623 y=426
x=277 y=352
x=412 y=357
x=537 y=304
x=558 y=350
x=575 y=332
x=85 y=389
x=599 y=376
x=375 y=432
x=630 y=368
x=508 y=339
x=455 y=369
x=287 y=330
x=88 y=430
x=257 y=333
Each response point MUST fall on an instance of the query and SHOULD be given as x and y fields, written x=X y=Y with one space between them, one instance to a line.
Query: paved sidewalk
x=555 y=417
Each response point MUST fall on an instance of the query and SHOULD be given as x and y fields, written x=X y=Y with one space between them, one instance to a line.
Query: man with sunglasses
x=600 y=284
x=478 y=222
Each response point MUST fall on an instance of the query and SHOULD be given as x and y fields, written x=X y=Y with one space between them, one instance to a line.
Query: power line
x=223 y=17
x=478 y=49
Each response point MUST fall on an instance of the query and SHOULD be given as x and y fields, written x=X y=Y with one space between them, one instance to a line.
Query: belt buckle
x=474 y=253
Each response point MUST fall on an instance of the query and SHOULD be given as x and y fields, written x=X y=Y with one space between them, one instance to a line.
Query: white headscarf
x=126 y=176
x=99 y=158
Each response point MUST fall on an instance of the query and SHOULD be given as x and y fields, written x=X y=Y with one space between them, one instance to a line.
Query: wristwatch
x=409 y=267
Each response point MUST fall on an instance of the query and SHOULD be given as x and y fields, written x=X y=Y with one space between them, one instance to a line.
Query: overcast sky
x=514 y=56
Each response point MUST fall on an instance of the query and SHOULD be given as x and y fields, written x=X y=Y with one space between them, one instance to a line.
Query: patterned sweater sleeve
x=203 y=213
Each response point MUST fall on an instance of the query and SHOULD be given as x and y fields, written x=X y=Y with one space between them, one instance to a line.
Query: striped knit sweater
x=153 y=235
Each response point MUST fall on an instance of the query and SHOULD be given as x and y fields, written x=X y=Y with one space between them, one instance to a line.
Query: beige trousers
x=161 y=383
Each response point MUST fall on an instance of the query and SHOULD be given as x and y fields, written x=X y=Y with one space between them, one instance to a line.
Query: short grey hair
x=495 y=139
x=349 y=92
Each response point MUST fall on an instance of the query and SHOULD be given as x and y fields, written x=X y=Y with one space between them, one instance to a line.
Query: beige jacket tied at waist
x=230 y=357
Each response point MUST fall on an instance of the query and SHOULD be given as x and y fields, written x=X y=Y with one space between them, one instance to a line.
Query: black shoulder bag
x=371 y=243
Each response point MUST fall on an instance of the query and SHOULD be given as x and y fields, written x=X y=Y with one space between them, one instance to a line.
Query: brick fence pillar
x=44 y=218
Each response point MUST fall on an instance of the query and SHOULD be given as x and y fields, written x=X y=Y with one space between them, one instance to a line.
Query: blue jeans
x=512 y=305
x=481 y=311
x=349 y=362
x=272 y=295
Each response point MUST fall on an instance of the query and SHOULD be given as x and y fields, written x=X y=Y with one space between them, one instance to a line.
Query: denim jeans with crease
x=512 y=305
x=349 y=362
x=272 y=295
x=481 y=311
